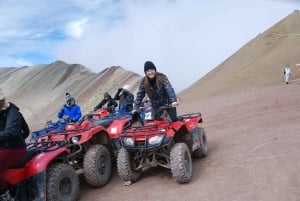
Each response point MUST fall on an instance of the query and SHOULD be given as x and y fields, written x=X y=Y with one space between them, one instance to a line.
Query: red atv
x=157 y=141
x=62 y=123
x=42 y=175
x=51 y=167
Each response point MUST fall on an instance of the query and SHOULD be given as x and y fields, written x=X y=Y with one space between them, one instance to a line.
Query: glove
x=135 y=111
x=66 y=117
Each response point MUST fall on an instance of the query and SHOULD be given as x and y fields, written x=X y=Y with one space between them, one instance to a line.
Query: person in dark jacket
x=126 y=98
x=13 y=131
x=158 y=88
x=70 y=111
x=107 y=103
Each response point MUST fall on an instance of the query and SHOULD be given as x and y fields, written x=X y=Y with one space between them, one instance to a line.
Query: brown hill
x=39 y=90
x=258 y=63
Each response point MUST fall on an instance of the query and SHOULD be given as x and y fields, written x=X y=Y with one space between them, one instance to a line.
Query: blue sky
x=184 y=38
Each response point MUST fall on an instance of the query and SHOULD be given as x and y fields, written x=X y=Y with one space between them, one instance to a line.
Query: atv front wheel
x=181 y=163
x=125 y=165
x=203 y=150
x=62 y=183
x=97 y=166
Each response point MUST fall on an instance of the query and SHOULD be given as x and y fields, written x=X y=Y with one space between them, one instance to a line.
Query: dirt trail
x=254 y=154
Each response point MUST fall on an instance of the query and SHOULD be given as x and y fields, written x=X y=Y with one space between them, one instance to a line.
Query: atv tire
x=125 y=165
x=181 y=163
x=62 y=183
x=203 y=150
x=97 y=166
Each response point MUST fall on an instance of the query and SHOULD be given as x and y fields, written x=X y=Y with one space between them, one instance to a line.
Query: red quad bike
x=50 y=170
x=41 y=175
x=157 y=141
x=61 y=124
x=114 y=124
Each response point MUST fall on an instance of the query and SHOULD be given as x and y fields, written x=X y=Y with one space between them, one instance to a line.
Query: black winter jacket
x=162 y=95
x=125 y=98
x=12 y=128
x=111 y=104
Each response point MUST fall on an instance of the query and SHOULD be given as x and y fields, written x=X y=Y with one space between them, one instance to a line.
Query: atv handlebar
x=161 y=108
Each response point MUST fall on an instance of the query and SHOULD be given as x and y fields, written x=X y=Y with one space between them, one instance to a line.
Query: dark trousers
x=172 y=113
x=9 y=157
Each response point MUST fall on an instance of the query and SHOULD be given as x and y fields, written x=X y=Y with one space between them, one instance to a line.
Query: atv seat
x=29 y=155
x=103 y=122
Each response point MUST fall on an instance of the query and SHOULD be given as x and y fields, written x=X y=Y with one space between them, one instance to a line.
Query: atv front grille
x=141 y=144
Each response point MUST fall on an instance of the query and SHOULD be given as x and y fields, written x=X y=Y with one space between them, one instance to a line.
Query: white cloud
x=75 y=29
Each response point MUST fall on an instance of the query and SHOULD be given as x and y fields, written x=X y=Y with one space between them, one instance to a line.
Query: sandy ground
x=254 y=153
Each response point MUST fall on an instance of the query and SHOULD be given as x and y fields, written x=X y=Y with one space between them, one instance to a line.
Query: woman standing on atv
x=158 y=88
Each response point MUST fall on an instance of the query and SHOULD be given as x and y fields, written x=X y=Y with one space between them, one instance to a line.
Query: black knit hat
x=149 y=65
x=69 y=99
x=68 y=96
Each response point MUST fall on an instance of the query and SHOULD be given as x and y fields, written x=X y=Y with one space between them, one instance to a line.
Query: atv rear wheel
x=203 y=150
x=62 y=183
x=125 y=165
x=97 y=166
x=181 y=163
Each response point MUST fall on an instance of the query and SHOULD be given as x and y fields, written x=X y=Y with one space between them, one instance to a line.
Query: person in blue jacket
x=70 y=111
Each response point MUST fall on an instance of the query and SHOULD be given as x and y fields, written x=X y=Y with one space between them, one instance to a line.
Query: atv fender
x=174 y=128
x=180 y=134
x=116 y=128
x=42 y=160
x=87 y=135
x=36 y=165
x=176 y=125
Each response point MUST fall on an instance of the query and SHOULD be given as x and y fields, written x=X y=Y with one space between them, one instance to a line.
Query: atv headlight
x=75 y=140
x=155 y=140
x=128 y=141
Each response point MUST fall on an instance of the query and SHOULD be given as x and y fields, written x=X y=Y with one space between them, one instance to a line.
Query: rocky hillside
x=40 y=90
x=258 y=63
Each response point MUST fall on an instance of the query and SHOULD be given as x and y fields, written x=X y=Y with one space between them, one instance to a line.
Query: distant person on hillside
x=13 y=131
x=159 y=90
x=287 y=74
x=126 y=98
x=70 y=111
x=107 y=103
